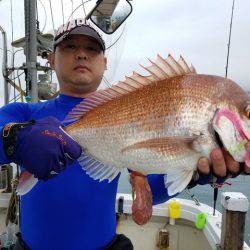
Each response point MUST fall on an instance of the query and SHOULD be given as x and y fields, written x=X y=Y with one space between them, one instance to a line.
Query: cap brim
x=82 y=30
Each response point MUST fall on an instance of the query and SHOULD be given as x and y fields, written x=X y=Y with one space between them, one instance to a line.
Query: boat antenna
x=229 y=38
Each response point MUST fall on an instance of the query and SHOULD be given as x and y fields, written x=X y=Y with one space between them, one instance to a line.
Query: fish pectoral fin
x=26 y=182
x=177 y=180
x=166 y=145
x=96 y=169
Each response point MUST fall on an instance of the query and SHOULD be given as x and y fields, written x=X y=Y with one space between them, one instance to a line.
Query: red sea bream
x=161 y=123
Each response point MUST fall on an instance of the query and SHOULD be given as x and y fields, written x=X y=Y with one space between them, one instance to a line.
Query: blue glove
x=41 y=147
x=203 y=179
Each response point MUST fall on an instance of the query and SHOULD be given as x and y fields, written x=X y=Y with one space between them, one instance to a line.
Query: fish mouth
x=233 y=133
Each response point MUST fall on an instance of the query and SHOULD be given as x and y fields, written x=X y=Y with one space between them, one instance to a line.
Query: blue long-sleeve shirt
x=70 y=211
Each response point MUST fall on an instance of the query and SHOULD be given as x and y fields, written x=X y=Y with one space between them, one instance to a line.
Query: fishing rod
x=227 y=61
x=229 y=38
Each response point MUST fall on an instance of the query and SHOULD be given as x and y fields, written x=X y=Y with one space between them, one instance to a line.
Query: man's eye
x=91 y=48
x=70 y=46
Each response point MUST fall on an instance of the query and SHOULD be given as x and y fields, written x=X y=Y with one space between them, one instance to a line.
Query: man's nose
x=81 y=54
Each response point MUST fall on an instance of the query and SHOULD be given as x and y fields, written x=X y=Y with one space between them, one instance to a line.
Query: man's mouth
x=81 y=68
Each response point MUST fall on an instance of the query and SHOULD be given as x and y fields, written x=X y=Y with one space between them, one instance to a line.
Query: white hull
x=183 y=235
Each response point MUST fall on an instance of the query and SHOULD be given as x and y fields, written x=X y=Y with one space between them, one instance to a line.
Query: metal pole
x=235 y=206
x=4 y=66
x=229 y=39
x=31 y=49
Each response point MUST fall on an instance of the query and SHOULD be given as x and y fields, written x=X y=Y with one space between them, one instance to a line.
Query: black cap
x=77 y=27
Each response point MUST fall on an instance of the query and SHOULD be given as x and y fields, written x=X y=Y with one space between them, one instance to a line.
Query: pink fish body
x=160 y=124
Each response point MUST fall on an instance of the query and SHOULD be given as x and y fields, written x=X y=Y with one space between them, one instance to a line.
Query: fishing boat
x=179 y=224
x=196 y=225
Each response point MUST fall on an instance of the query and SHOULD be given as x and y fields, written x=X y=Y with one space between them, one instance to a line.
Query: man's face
x=79 y=63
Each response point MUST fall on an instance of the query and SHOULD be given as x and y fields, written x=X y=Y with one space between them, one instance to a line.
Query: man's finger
x=218 y=162
x=232 y=165
x=203 y=165
x=246 y=169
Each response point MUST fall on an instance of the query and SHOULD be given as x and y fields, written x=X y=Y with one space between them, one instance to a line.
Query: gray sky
x=198 y=30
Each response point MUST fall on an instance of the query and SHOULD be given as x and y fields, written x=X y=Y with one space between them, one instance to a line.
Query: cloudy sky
x=198 y=30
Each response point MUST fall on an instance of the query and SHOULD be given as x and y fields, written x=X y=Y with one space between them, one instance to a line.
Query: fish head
x=232 y=124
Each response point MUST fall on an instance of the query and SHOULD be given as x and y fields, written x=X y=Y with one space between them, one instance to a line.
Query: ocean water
x=205 y=194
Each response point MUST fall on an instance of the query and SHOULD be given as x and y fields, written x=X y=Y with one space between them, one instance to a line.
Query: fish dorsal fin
x=159 y=70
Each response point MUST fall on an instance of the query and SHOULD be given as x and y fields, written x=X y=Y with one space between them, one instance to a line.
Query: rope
x=11 y=215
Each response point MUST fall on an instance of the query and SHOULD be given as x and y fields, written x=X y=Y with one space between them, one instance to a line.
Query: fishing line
x=15 y=55
x=192 y=196
x=62 y=10
x=18 y=76
x=45 y=21
x=229 y=38
x=107 y=82
x=12 y=38
x=77 y=9
x=52 y=18
x=7 y=50
x=117 y=38
x=17 y=51
x=84 y=9
x=17 y=98
x=116 y=58
x=72 y=7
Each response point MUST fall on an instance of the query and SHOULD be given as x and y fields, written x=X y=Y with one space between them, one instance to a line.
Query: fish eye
x=248 y=111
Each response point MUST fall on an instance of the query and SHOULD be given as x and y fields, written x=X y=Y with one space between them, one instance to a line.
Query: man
x=71 y=210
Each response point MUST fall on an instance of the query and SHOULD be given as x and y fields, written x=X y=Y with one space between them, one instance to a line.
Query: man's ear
x=51 y=60
x=105 y=62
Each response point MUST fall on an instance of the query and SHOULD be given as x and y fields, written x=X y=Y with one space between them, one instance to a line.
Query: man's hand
x=222 y=164
x=42 y=148
x=142 y=203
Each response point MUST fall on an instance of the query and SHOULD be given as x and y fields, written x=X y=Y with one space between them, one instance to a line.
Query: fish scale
x=160 y=124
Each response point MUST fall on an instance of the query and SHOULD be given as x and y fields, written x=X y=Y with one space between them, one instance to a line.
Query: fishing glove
x=203 y=179
x=41 y=147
